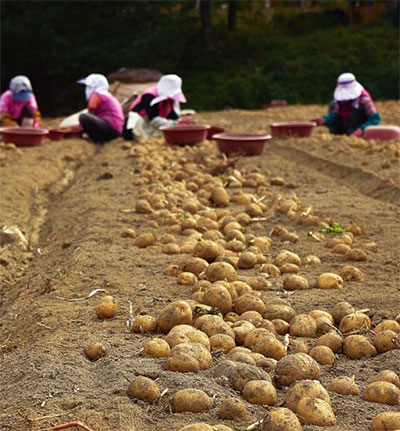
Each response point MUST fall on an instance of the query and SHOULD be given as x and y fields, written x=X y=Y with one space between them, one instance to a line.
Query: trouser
x=98 y=129
x=27 y=112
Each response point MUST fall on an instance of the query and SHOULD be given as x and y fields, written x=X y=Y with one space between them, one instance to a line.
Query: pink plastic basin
x=292 y=128
x=214 y=130
x=58 y=133
x=384 y=133
x=241 y=143
x=24 y=136
x=185 y=133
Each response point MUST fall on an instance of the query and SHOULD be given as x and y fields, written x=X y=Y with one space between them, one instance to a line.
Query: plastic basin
x=58 y=133
x=384 y=133
x=214 y=130
x=275 y=104
x=185 y=133
x=292 y=128
x=24 y=136
x=241 y=143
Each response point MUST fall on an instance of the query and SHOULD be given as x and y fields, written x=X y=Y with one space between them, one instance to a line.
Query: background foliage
x=282 y=53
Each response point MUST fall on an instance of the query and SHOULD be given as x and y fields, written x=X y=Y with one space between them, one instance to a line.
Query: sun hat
x=169 y=87
x=347 y=88
x=21 y=88
x=94 y=82
x=22 y=95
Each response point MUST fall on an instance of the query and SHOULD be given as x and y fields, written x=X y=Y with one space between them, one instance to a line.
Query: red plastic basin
x=274 y=104
x=214 y=130
x=241 y=143
x=292 y=128
x=185 y=133
x=384 y=133
x=58 y=133
x=24 y=136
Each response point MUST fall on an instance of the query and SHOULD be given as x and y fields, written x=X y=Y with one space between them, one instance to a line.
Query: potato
x=386 y=421
x=303 y=325
x=247 y=260
x=260 y=392
x=232 y=225
x=315 y=411
x=279 y=311
x=297 y=345
x=207 y=250
x=172 y=270
x=281 y=419
x=253 y=210
x=232 y=317
x=191 y=400
x=235 y=234
x=356 y=254
x=289 y=268
x=351 y=273
x=256 y=335
x=354 y=322
x=315 y=314
x=323 y=355
x=249 y=302
x=107 y=307
x=340 y=310
x=176 y=313
x=252 y=316
x=387 y=376
x=332 y=340
x=241 y=287
x=143 y=207
x=232 y=408
x=385 y=325
x=286 y=256
x=145 y=240
x=196 y=265
x=344 y=386
x=270 y=347
x=281 y=326
x=324 y=325
x=329 y=280
x=220 y=271
x=382 y=392
x=311 y=260
x=270 y=269
x=239 y=374
x=262 y=242
x=188 y=357
x=143 y=388
x=144 y=323
x=156 y=348
x=305 y=388
x=386 y=340
x=295 y=282
x=268 y=364
x=298 y=366
x=358 y=346
x=171 y=248
x=222 y=342
x=241 y=328
x=186 y=334
x=245 y=358
x=201 y=426
x=340 y=248
x=219 y=297
x=128 y=233
x=94 y=351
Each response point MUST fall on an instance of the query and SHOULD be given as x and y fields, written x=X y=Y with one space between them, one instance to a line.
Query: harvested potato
x=279 y=311
x=173 y=270
x=247 y=260
x=143 y=388
x=386 y=325
x=298 y=366
x=252 y=316
x=186 y=334
x=356 y=254
x=268 y=364
x=94 y=351
x=382 y=392
x=358 y=346
x=235 y=234
x=188 y=357
x=143 y=207
x=323 y=355
x=270 y=347
x=281 y=419
x=176 y=313
x=311 y=260
x=241 y=328
x=249 y=302
x=354 y=322
x=262 y=242
x=295 y=282
x=157 y=348
x=286 y=256
x=332 y=340
x=253 y=210
x=303 y=325
x=231 y=317
x=340 y=310
x=297 y=345
x=340 y=248
x=201 y=426
x=351 y=273
x=207 y=250
x=196 y=265
x=187 y=279
x=218 y=296
x=241 y=287
x=329 y=280
x=281 y=326
x=128 y=233
x=289 y=268
x=386 y=421
x=145 y=240
x=305 y=388
x=387 y=376
x=344 y=386
x=220 y=197
x=232 y=408
x=256 y=335
x=171 y=248
x=191 y=400
x=245 y=358
x=220 y=271
x=144 y=323
x=107 y=307
x=315 y=411
x=222 y=342
x=386 y=340
x=270 y=269
x=260 y=392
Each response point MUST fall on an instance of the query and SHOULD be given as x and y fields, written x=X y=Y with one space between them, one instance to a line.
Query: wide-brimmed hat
x=169 y=87
x=96 y=81
x=347 y=88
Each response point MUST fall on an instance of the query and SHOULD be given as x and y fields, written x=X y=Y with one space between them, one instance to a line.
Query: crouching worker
x=105 y=118
x=352 y=109
x=157 y=106
x=18 y=106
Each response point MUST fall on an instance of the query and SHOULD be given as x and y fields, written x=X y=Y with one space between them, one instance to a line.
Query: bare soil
x=70 y=199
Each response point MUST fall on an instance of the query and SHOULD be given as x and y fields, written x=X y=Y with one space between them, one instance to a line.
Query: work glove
x=318 y=121
x=186 y=122
x=358 y=133
x=37 y=119
x=6 y=120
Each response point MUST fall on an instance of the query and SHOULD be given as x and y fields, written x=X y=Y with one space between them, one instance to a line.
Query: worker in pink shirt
x=18 y=106
x=105 y=119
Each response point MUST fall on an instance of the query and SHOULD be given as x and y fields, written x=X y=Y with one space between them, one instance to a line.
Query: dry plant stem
x=70 y=425
x=334 y=327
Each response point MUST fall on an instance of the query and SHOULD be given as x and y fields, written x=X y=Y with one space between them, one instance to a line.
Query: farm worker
x=105 y=118
x=157 y=106
x=18 y=106
x=352 y=109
